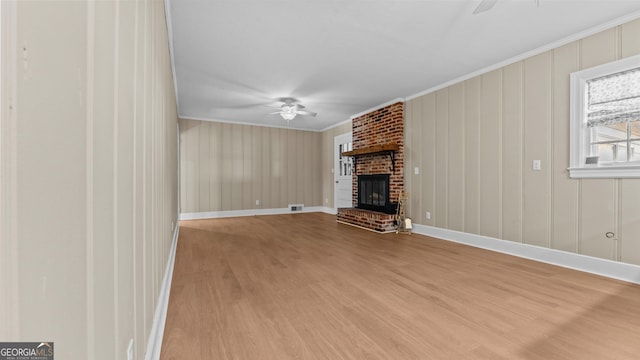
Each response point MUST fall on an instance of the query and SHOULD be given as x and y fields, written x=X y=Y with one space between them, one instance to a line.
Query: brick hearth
x=368 y=219
x=380 y=127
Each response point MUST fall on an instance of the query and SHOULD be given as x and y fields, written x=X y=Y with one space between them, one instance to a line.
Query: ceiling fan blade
x=306 y=113
x=242 y=106
x=276 y=112
x=485 y=5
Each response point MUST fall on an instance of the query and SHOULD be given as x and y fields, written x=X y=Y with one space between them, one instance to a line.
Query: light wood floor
x=304 y=287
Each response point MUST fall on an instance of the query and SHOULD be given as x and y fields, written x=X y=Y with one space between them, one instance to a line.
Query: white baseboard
x=330 y=211
x=608 y=268
x=253 y=212
x=154 y=345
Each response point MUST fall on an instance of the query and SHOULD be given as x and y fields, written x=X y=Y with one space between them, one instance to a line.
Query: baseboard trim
x=253 y=212
x=154 y=345
x=330 y=211
x=603 y=267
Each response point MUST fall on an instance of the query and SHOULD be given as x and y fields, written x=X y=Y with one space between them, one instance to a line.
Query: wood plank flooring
x=301 y=286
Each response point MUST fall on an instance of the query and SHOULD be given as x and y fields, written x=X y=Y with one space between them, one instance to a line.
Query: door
x=342 y=171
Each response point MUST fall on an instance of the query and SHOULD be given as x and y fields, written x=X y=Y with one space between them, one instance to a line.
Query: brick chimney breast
x=378 y=128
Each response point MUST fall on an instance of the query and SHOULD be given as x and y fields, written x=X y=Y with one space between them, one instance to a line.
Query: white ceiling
x=232 y=58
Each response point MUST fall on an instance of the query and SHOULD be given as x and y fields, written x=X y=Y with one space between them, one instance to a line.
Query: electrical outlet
x=537 y=165
x=257 y=202
x=416 y=170
x=326 y=200
x=428 y=215
x=130 y=350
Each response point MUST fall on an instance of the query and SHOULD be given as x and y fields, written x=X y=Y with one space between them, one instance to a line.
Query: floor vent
x=296 y=207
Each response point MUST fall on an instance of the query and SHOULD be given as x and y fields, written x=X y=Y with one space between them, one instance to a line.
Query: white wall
x=475 y=141
x=89 y=174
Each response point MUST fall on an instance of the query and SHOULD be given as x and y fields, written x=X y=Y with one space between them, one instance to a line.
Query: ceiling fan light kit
x=288 y=112
x=290 y=109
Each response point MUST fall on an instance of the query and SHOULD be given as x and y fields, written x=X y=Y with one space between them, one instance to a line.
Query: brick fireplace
x=378 y=149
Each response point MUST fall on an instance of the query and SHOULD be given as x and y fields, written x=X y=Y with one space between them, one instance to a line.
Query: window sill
x=605 y=172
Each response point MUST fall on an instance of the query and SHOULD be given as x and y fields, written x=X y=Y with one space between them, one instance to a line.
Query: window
x=345 y=163
x=605 y=120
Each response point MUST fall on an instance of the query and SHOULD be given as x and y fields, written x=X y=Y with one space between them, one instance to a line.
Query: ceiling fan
x=486 y=5
x=291 y=108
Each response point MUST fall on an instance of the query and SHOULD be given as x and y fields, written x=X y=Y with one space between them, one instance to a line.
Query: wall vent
x=296 y=207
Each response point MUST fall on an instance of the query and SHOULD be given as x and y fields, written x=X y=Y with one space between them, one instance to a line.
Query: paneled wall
x=231 y=167
x=474 y=143
x=89 y=173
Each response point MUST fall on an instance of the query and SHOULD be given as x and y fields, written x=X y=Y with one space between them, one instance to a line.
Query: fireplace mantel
x=389 y=149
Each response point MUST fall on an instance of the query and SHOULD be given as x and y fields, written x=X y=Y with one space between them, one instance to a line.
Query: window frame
x=579 y=132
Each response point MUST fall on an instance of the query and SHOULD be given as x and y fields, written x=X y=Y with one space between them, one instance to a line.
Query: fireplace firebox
x=373 y=193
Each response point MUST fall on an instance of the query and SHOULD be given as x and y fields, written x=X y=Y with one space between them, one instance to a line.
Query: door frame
x=339 y=139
